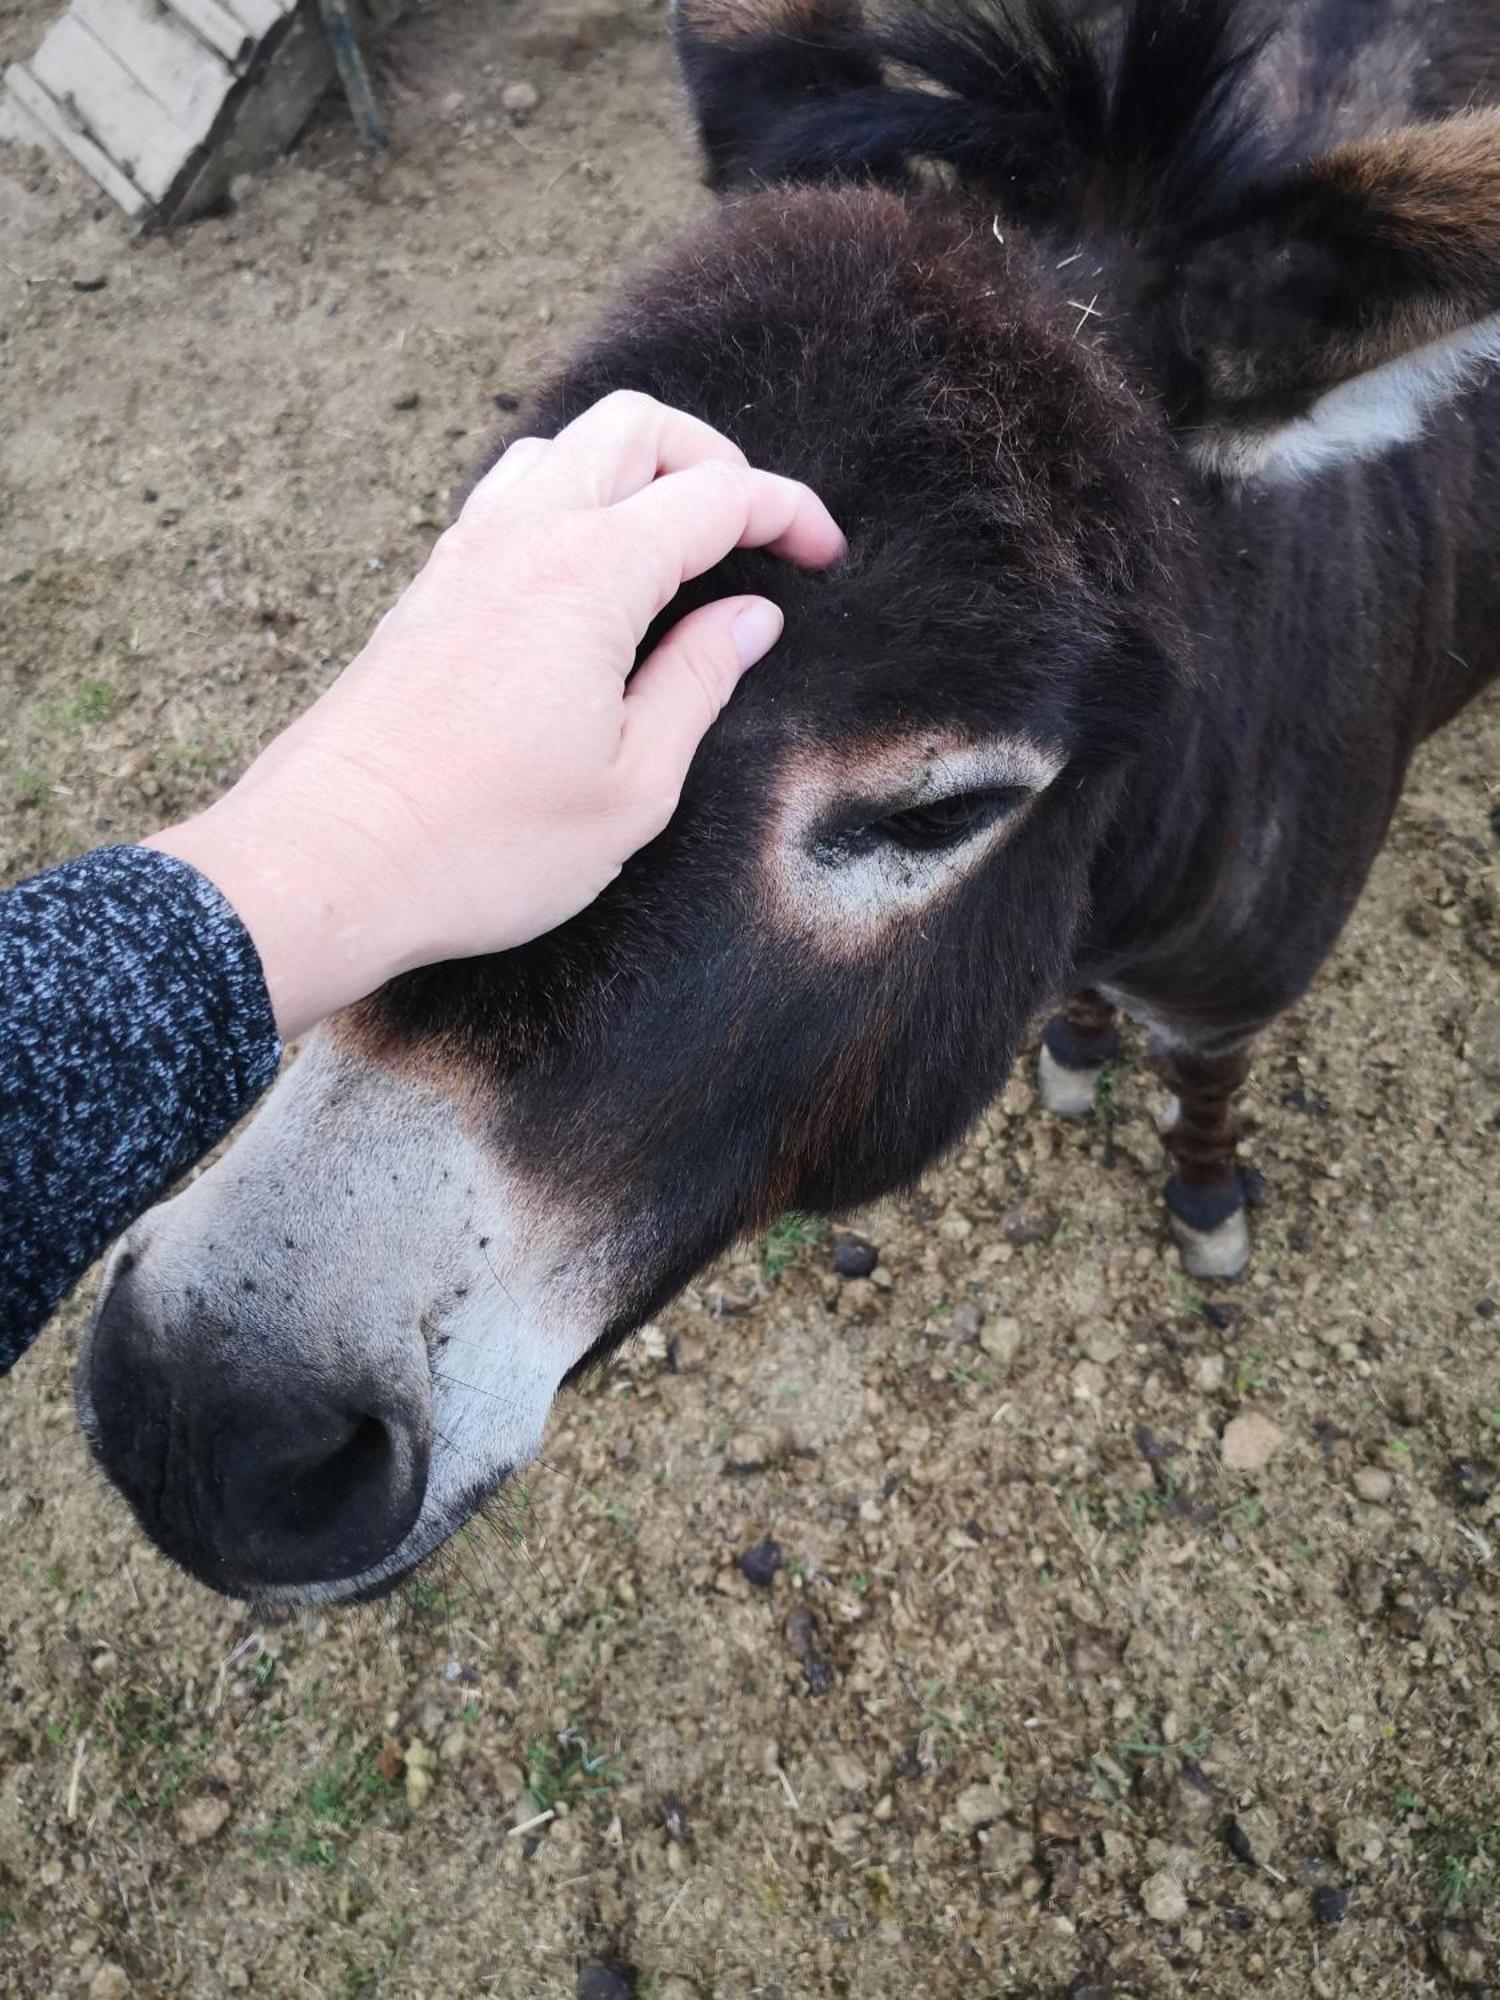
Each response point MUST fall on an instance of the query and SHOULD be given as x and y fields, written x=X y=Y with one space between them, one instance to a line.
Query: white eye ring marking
x=855 y=885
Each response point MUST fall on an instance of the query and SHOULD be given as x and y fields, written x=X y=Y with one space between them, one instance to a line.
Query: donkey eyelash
x=926 y=828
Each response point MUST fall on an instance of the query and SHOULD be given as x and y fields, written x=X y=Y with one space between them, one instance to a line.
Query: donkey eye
x=926 y=829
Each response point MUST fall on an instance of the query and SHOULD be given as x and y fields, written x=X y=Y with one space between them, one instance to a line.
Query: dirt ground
x=1044 y=1698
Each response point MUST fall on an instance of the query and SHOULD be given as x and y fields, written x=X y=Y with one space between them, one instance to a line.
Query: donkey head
x=1015 y=384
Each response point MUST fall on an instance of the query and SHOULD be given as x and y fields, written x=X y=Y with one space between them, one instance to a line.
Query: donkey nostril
x=338 y=1480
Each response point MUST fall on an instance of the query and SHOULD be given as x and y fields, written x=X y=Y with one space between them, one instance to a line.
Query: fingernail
x=756 y=630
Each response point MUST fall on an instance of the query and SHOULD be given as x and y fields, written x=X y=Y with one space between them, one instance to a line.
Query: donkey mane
x=1141 y=120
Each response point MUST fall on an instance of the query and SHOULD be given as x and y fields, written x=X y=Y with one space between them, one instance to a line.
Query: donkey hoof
x=1066 y=1093
x=1212 y=1231
x=1221 y=1252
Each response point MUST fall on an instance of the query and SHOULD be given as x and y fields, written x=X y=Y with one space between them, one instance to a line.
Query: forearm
x=135 y=1028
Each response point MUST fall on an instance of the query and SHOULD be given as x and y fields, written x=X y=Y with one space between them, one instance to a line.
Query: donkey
x=1142 y=358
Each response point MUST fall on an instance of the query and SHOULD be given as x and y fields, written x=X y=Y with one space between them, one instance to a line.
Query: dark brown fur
x=994 y=312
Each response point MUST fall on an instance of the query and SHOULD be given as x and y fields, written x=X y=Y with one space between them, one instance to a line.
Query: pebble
x=407 y=400
x=419 y=1763
x=1250 y=1442
x=95 y=281
x=1358 y=1843
x=1028 y=1222
x=201 y=1819
x=751 y=1451
x=1238 y=1842
x=1462 y=1956
x=761 y=1562
x=966 y=1323
x=1259 y=1831
x=110 y=1982
x=1374 y=1485
x=520 y=99
x=1208 y=1373
x=801 y=1630
x=848 y=1772
x=1164 y=1899
x=854 y=1256
x=978 y=1805
x=605 y=1982
x=1329 y=1904
x=1001 y=1338
x=1472 y=1480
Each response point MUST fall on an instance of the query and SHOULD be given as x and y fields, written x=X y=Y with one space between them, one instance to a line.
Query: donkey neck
x=1335 y=624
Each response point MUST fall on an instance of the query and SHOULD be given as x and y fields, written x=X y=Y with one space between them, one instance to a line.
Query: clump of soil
x=1037 y=1694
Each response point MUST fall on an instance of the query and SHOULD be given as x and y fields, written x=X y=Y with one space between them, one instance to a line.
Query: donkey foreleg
x=1206 y=1194
x=1076 y=1044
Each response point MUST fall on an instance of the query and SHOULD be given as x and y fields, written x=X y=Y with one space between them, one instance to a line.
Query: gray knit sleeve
x=135 y=1028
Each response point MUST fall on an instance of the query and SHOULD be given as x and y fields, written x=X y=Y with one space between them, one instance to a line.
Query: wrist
x=319 y=949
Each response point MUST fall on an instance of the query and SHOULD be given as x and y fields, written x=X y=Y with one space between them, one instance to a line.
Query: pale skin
x=482 y=771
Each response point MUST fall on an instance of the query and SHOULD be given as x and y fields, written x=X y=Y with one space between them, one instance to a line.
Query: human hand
x=481 y=771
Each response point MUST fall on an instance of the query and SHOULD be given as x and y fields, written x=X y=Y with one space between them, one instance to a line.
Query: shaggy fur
x=1007 y=287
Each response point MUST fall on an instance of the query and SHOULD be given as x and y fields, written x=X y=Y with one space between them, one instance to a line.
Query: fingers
x=677 y=695
x=626 y=441
x=685 y=522
x=519 y=457
x=614 y=449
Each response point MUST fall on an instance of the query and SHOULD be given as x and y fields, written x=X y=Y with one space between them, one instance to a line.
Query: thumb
x=675 y=697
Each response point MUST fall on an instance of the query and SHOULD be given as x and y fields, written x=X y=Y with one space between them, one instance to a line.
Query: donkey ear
x=747 y=63
x=1326 y=317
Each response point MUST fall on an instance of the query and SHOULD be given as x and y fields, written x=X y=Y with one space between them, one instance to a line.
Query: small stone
x=966 y=1323
x=201 y=1819
x=419 y=1763
x=761 y=1562
x=978 y=1805
x=1250 y=1442
x=407 y=400
x=1028 y=1222
x=110 y=1982
x=1088 y=1382
x=1238 y=1842
x=801 y=1630
x=1484 y=1041
x=94 y=281
x=1001 y=1338
x=854 y=1256
x=605 y=1982
x=1103 y=1347
x=848 y=1772
x=1374 y=1485
x=1472 y=1480
x=1367 y=1581
x=1461 y=1953
x=1260 y=1833
x=1164 y=1899
x=1208 y=1374
x=1358 y=1843
x=752 y=1451
x=520 y=99
x=506 y=400
x=1329 y=1903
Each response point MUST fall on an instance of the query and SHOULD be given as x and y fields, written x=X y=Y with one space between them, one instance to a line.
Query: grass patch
x=568 y=1770
x=93 y=701
x=329 y=1810
x=786 y=1239
x=1460 y=1855
x=31 y=788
